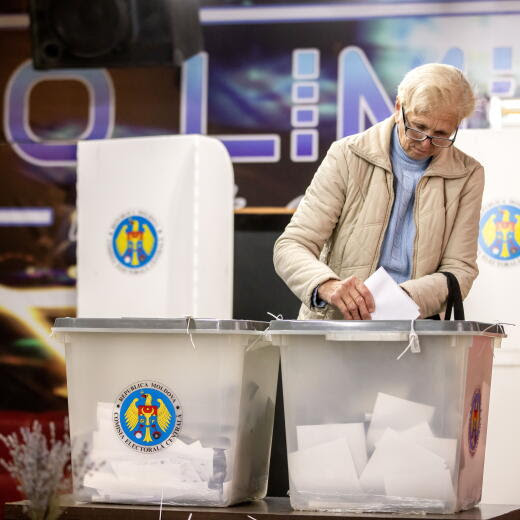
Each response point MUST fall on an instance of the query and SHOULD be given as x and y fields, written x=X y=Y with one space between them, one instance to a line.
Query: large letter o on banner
x=16 y=117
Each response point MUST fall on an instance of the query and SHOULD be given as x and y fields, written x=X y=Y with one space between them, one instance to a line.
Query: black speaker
x=113 y=33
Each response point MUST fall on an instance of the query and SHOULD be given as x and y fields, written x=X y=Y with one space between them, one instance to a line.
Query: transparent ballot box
x=386 y=415
x=172 y=411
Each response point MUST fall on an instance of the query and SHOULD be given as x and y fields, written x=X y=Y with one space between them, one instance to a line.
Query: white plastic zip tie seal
x=188 y=320
x=251 y=345
x=413 y=343
x=498 y=323
x=262 y=336
x=494 y=325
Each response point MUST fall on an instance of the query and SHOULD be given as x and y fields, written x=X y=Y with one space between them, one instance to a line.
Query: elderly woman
x=398 y=195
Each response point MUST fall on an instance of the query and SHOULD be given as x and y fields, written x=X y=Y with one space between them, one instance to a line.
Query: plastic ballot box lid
x=163 y=325
x=394 y=328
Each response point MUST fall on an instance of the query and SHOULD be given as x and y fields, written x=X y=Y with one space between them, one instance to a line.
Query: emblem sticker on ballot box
x=147 y=416
x=475 y=418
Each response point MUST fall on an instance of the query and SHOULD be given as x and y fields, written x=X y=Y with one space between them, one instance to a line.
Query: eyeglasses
x=417 y=135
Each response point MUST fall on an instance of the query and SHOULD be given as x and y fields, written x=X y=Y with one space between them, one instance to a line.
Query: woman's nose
x=426 y=144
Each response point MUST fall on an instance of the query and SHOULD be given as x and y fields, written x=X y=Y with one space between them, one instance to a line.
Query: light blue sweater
x=397 y=249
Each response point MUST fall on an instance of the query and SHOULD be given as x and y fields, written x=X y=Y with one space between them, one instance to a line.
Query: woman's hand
x=351 y=296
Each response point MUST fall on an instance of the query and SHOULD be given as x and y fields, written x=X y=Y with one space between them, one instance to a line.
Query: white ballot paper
x=392 y=303
x=326 y=468
x=314 y=434
x=394 y=458
x=441 y=446
x=396 y=413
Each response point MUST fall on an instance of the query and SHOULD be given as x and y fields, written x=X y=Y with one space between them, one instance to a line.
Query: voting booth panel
x=179 y=411
x=155 y=227
x=373 y=425
x=495 y=295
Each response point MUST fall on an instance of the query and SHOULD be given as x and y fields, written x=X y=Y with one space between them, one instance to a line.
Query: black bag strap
x=454 y=300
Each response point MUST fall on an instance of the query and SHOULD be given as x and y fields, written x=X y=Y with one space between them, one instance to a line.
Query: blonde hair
x=435 y=86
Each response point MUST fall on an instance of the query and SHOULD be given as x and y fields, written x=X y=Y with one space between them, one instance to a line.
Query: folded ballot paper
x=354 y=433
x=396 y=413
x=182 y=473
x=392 y=303
x=329 y=459
x=399 y=460
x=394 y=459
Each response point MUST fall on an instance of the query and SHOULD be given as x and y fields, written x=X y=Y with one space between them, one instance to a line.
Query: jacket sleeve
x=297 y=250
x=460 y=255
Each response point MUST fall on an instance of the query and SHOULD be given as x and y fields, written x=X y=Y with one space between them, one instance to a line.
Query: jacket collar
x=373 y=145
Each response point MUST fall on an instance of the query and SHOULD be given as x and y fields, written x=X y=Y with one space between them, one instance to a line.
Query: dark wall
x=258 y=290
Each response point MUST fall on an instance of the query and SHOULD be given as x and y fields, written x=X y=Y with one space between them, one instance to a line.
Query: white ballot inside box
x=155 y=227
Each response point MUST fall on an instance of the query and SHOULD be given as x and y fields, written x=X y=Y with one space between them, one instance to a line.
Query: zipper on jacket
x=416 y=240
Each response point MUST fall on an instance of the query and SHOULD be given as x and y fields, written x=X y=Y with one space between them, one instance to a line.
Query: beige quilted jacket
x=338 y=228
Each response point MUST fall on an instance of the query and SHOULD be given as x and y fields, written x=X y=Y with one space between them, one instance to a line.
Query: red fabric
x=12 y=421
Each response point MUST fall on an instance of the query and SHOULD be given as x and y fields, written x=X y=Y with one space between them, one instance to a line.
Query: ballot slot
x=370 y=430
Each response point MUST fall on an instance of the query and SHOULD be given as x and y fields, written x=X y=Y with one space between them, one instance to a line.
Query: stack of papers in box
x=181 y=473
x=395 y=459
x=406 y=461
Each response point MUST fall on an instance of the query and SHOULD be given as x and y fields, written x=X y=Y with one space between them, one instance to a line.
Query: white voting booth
x=155 y=228
x=494 y=296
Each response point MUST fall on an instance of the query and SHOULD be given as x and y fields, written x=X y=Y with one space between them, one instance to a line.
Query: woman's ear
x=397 y=113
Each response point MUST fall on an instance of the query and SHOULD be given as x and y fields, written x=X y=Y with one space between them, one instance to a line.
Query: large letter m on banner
x=361 y=96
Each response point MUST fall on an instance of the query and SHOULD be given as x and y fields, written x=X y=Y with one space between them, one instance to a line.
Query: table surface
x=268 y=509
